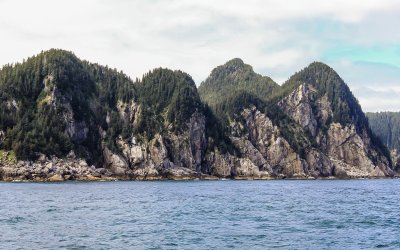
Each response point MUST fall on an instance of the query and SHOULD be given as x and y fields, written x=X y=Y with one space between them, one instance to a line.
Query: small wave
x=367 y=222
x=395 y=244
x=13 y=220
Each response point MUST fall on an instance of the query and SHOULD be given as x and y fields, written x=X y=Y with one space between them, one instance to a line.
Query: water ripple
x=354 y=214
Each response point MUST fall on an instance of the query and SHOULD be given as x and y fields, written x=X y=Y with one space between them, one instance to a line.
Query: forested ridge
x=54 y=102
x=386 y=125
x=36 y=93
x=228 y=89
x=345 y=107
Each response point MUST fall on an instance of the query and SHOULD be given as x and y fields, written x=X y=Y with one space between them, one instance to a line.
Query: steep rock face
x=285 y=160
x=262 y=144
x=318 y=100
x=298 y=105
x=174 y=154
x=305 y=107
x=346 y=146
x=187 y=149
x=252 y=153
x=2 y=136
x=344 y=150
x=324 y=110
x=129 y=112
x=197 y=139
x=218 y=164
x=348 y=151
x=261 y=131
x=395 y=159
x=114 y=162
x=319 y=164
x=229 y=166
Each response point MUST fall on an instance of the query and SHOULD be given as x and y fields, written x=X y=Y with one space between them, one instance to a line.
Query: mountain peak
x=320 y=65
x=316 y=73
x=57 y=51
x=232 y=68
x=326 y=81
x=232 y=77
x=58 y=54
x=235 y=62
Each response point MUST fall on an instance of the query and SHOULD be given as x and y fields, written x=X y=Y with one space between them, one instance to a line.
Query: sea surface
x=287 y=214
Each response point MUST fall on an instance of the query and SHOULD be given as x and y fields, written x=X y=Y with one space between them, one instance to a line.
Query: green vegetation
x=7 y=156
x=345 y=107
x=44 y=98
x=234 y=86
x=386 y=125
x=30 y=127
x=216 y=133
x=53 y=103
x=234 y=104
x=39 y=97
x=166 y=96
x=111 y=86
x=233 y=77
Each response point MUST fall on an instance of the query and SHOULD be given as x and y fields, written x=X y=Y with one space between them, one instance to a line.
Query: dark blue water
x=333 y=214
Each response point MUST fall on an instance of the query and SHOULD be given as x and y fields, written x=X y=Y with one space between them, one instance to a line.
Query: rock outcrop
x=173 y=155
x=298 y=105
x=346 y=151
x=265 y=146
x=54 y=169
x=395 y=159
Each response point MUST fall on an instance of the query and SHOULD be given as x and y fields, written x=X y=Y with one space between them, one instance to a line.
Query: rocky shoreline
x=72 y=169
x=90 y=178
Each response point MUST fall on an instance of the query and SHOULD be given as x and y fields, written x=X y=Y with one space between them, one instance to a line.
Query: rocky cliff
x=312 y=127
x=62 y=118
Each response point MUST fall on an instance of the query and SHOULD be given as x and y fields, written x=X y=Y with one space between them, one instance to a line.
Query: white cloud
x=342 y=10
x=277 y=37
x=374 y=104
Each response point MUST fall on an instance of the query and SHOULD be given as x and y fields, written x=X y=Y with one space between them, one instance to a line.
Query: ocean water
x=287 y=214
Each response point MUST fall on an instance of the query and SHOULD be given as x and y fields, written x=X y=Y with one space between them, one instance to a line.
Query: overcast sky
x=359 y=39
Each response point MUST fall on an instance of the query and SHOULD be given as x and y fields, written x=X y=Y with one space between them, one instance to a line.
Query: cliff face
x=337 y=141
x=90 y=122
x=167 y=155
x=348 y=152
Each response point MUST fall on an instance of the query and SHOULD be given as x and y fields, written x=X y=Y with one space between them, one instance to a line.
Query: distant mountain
x=386 y=125
x=59 y=115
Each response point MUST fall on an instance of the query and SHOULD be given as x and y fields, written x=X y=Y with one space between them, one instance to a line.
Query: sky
x=360 y=39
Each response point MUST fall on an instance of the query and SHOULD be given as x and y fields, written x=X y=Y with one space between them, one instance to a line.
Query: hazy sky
x=359 y=39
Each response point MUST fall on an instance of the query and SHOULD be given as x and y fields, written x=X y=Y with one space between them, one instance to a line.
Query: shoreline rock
x=24 y=177
x=74 y=169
